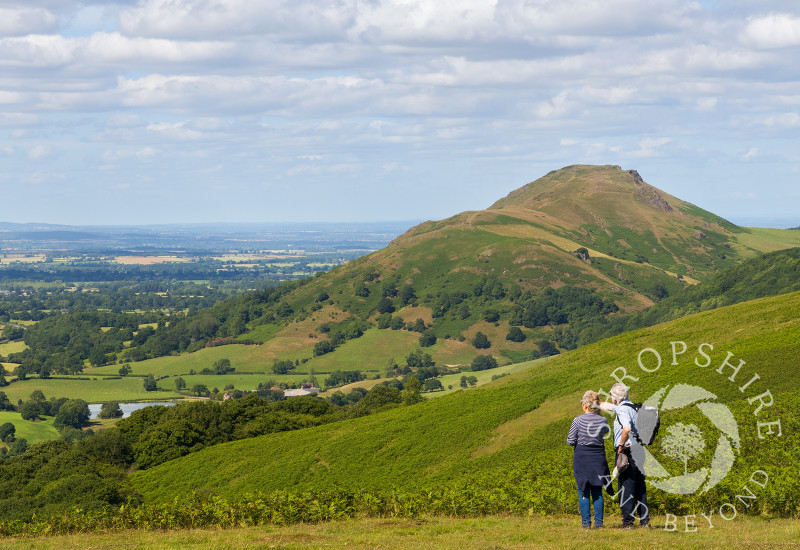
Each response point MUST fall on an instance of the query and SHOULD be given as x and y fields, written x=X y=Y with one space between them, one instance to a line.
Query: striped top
x=588 y=429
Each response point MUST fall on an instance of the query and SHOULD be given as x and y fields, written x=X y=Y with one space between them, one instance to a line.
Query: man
x=632 y=489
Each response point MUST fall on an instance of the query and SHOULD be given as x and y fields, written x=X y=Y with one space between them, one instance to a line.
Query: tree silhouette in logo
x=683 y=442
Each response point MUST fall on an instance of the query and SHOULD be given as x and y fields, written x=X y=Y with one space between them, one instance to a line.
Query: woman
x=589 y=461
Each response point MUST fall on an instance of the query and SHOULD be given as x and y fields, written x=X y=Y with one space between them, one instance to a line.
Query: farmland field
x=96 y=390
x=32 y=432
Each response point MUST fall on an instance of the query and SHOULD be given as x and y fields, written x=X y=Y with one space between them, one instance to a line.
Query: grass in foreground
x=445 y=533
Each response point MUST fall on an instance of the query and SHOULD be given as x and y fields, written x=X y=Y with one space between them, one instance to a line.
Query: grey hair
x=619 y=391
x=591 y=401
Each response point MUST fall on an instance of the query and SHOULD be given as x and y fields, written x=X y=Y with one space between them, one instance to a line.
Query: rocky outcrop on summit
x=637 y=179
x=649 y=193
x=654 y=199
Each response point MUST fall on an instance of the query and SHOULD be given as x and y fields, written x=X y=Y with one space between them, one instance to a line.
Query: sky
x=177 y=111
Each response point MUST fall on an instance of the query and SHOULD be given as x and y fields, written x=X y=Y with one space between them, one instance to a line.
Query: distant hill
x=509 y=437
x=580 y=243
x=574 y=250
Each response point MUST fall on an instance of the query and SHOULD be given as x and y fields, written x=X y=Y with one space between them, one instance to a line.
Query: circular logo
x=684 y=441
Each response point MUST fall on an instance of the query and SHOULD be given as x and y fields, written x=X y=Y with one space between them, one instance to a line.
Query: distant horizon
x=742 y=221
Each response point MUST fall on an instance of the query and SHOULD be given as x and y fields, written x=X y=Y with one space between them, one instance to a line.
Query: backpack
x=647 y=422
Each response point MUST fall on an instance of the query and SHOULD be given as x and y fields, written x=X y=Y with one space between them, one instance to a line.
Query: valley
x=447 y=363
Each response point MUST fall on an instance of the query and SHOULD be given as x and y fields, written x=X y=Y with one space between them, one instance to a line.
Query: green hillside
x=510 y=434
x=596 y=229
x=563 y=259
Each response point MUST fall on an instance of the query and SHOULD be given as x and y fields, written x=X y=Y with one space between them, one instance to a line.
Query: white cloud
x=750 y=154
x=773 y=31
x=39 y=152
x=176 y=131
x=785 y=120
x=22 y=21
x=649 y=147
x=419 y=85
x=123 y=120
x=706 y=104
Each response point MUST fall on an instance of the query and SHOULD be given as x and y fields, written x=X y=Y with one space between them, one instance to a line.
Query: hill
x=555 y=263
x=506 y=441
x=580 y=243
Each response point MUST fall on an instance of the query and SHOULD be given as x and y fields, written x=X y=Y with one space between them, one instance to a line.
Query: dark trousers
x=633 y=493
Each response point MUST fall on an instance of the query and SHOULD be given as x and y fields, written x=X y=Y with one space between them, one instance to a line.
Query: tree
x=223 y=366
x=97 y=358
x=411 y=392
x=5 y=403
x=150 y=383
x=406 y=295
x=385 y=306
x=125 y=370
x=433 y=384
x=484 y=362
x=361 y=290
x=547 y=348
x=111 y=410
x=418 y=359
x=7 y=432
x=30 y=411
x=683 y=442
x=427 y=339
x=380 y=396
x=180 y=384
x=480 y=341
x=282 y=367
x=321 y=348
x=200 y=390
x=397 y=323
x=18 y=447
x=12 y=333
x=37 y=396
x=74 y=412
x=283 y=310
x=515 y=334
x=491 y=316
x=384 y=320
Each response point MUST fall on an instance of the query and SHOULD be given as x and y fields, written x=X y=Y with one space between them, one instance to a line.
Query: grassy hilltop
x=512 y=432
x=579 y=231
x=578 y=248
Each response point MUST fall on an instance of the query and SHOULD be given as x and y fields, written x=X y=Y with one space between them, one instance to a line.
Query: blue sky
x=162 y=111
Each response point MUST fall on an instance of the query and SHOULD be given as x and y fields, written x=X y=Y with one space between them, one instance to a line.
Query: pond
x=127 y=408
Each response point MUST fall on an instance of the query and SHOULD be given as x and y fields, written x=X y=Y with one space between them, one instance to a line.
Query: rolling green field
x=484 y=376
x=767 y=240
x=243 y=358
x=96 y=390
x=486 y=434
x=12 y=347
x=33 y=432
x=437 y=533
